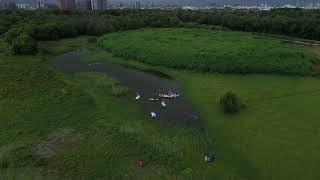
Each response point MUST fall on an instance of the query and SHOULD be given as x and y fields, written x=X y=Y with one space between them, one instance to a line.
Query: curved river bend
x=178 y=110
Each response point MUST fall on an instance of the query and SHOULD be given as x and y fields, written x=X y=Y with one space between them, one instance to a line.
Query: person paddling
x=153 y=115
x=208 y=158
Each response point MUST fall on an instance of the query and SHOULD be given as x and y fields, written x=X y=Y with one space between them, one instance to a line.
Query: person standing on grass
x=141 y=163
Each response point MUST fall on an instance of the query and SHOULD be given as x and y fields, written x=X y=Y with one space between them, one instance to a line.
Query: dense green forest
x=22 y=29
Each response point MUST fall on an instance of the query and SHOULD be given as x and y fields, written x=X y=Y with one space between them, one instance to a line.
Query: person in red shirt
x=141 y=163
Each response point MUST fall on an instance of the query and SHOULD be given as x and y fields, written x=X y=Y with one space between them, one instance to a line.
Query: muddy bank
x=178 y=111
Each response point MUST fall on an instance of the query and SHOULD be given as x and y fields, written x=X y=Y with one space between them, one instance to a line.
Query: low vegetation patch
x=54 y=48
x=55 y=143
x=149 y=70
x=210 y=51
x=102 y=56
x=109 y=85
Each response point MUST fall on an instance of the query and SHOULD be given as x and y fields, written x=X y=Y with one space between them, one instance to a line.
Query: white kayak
x=138 y=97
x=163 y=104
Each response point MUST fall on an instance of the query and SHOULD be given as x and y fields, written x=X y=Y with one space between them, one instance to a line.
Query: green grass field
x=271 y=139
x=210 y=51
x=276 y=137
x=104 y=132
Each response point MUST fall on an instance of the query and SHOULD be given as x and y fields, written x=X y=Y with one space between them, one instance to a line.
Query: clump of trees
x=24 y=44
x=55 y=24
x=230 y=103
x=20 y=42
x=289 y=22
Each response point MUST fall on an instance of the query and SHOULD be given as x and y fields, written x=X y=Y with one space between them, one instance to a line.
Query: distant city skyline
x=200 y=2
x=223 y=2
x=85 y=5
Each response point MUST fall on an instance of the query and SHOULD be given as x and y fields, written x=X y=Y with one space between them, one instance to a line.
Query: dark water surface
x=178 y=111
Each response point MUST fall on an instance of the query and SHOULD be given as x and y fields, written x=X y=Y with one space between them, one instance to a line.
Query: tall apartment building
x=23 y=6
x=99 y=4
x=40 y=4
x=84 y=5
x=66 y=4
x=7 y=4
x=137 y=5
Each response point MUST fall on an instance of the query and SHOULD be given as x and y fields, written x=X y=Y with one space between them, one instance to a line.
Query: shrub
x=92 y=39
x=23 y=44
x=230 y=103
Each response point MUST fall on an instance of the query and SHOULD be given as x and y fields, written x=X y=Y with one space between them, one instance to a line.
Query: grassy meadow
x=210 y=51
x=105 y=132
x=278 y=132
x=271 y=139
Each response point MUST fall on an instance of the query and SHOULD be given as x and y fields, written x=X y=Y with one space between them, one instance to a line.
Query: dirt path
x=178 y=111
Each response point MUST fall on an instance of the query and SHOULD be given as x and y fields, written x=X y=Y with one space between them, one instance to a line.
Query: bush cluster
x=231 y=103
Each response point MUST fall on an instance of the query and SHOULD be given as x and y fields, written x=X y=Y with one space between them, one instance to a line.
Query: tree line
x=22 y=29
x=290 y=22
